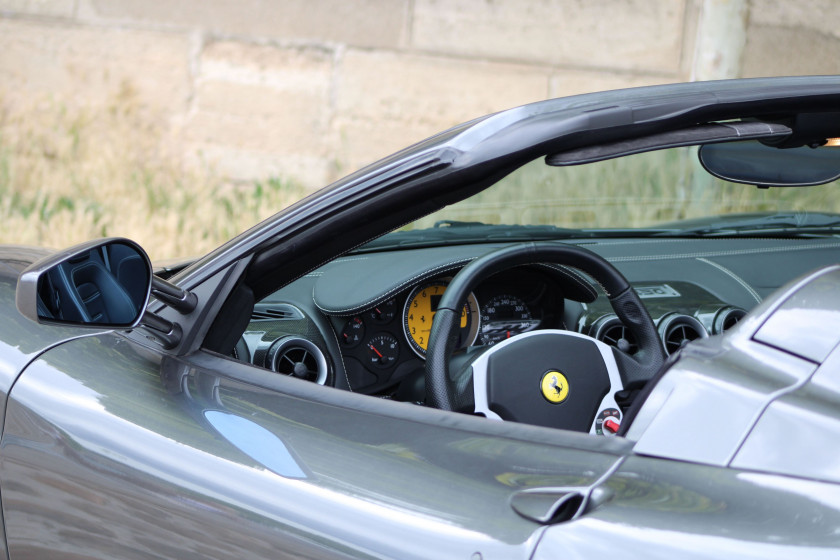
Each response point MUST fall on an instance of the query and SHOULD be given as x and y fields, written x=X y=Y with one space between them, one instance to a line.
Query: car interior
x=702 y=238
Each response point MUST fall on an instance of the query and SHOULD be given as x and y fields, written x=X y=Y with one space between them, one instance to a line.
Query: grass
x=67 y=176
x=636 y=191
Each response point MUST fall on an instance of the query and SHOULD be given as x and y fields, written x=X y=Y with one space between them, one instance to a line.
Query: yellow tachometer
x=420 y=308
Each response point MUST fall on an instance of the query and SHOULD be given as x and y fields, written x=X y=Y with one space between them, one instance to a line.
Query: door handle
x=550 y=505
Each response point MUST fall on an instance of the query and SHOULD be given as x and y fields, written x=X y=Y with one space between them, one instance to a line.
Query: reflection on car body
x=545 y=333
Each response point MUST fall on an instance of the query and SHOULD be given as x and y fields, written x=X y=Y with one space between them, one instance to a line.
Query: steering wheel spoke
x=552 y=378
x=531 y=377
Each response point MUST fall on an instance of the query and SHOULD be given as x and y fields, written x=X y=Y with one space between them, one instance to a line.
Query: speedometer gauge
x=420 y=308
x=504 y=316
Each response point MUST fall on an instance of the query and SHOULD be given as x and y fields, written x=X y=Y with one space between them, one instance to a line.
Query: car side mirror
x=104 y=283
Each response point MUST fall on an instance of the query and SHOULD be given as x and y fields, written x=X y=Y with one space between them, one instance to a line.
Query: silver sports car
x=604 y=326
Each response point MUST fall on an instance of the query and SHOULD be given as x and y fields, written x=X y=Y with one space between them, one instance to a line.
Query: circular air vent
x=297 y=357
x=611 y=331
x=727 y=318
x=678 y=330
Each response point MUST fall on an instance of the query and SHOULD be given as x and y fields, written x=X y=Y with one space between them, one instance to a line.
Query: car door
x=112 y=449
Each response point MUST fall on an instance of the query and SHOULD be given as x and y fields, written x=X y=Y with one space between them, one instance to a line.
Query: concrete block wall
x=313 y=89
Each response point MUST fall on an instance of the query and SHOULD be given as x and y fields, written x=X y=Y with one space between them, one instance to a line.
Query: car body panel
x=665 y=510
x=797 y=433
x=750 y=392
x=21 y=340
x=134 y=466
x=725 y=405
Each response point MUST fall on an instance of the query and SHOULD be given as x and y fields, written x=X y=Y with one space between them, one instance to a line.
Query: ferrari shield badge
x=555 y=387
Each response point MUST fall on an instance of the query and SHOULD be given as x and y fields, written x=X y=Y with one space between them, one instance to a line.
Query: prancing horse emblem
x=555 y=387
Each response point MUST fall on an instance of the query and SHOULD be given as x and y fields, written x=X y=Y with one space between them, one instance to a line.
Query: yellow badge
x=555 y=387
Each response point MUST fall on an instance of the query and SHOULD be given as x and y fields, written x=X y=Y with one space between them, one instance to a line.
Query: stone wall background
x=313 y=89
x=180 y=123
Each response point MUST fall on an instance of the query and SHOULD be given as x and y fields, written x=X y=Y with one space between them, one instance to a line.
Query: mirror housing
x=103 y=284
x=755 y=163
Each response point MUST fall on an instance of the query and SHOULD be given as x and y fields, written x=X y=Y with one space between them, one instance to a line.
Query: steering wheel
x=554 y=378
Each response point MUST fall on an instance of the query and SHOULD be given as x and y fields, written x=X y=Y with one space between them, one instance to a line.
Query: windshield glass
x=654 y=192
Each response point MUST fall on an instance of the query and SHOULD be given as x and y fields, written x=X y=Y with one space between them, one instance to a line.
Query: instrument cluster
x=388 y=341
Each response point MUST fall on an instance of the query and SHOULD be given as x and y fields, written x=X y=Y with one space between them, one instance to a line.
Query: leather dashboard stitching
x=394 y=289
x=568 y=268
x=725 y=253
x=569 y=272
x=641 y=258
x=576 y=277
x=734 y=276
x=350 y=259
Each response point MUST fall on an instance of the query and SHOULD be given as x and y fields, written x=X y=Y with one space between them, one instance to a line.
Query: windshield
x=654 y=193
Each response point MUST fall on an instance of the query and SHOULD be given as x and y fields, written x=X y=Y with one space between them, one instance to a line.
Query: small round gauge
x=384 y=312
x=352 y=333
x=504 y=316
x=383 y=350
x=420 y=309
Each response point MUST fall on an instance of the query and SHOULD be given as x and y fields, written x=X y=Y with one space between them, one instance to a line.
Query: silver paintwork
x=804 y=323
x=701 y=414
x=736 y=400
x=662 y=509
x=798 y=433
x=104 y=444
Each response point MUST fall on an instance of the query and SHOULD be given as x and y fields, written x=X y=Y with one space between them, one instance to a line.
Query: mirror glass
x=105 y=286
x=754 y=163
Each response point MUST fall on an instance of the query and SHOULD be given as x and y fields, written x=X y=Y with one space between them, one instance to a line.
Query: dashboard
x=388 y=342
x=362 y=322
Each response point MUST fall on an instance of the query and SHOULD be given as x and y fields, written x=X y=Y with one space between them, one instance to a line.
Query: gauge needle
x=372 y=347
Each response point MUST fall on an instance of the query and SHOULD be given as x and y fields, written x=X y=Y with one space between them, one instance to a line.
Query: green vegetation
x=636 y=191
x=69 y=176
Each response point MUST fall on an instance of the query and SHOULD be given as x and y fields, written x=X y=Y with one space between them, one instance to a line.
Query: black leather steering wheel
x=553 y=378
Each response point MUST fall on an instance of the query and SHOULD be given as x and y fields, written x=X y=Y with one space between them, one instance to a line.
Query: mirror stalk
x=166 y=332
x=173 y=296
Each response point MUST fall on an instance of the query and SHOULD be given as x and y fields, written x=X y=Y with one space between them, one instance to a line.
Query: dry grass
x=67 y=176
x=636 y=191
